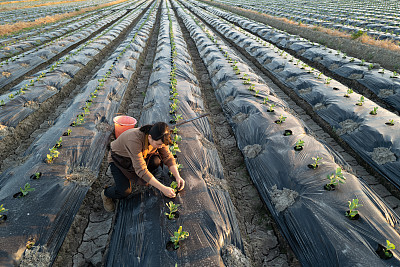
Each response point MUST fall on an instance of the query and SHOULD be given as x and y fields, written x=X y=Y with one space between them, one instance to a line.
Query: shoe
x=108 y=203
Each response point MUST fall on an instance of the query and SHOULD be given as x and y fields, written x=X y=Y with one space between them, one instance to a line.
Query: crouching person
x=134 y=155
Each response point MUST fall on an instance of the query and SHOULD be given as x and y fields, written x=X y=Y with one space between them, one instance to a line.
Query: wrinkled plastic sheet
x=141 y=229
x=314 y=221
x=46 y=214
x=382 y=84
x=52 y=85
x=370 y=135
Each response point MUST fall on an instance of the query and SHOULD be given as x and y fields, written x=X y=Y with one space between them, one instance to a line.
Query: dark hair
x=158 y=130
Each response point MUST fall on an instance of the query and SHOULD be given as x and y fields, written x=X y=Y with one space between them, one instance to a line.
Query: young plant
x=390 y=122
x=58 y=144
x=174 y=185
x=173 y=208
x=2 y=210
x=388 y=247
x=271 y=108
x=266 y=99
x=256 y=93
x=361 y=101
x=348 y=92
x=299 y=145
x=328 y=80
x=281 y=119
x=353 y=205
x=179 y=235
x=316 y=161
x=374 y=111
x=335 y=178
x=26 y=190
x=53 y=155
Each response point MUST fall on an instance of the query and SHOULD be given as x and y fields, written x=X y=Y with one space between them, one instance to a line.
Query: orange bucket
x=123 y=123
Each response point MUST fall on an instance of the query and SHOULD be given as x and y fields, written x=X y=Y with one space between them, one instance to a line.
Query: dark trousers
x=123 y=186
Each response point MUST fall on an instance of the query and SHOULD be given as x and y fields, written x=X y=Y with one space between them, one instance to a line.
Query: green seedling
x=174 y=107
x=30 y=244
x=53 y=155
x=174 y=148
x=370 y=66
x=361 y=101
x=336 y=178
x=173 y=208
x=177 y=117
x=281 y=119
x=328 y=80
x=256 y=93
x=179 y=235
x=394 y=75
x=390 y=122
x=374 y=111
x=271 y=108
x=58 y=144
x=316 y=161
x=10 y=96
x=174 y=185
x=251 y=87
x=299 y=144
x=348 y=92
x=37 y=175
x=2 y=210
x=266 y=99
x=319 y=75
x=237 y=72
x=353 y=205
x=247 y=81
x=362 y=63
x=175 y=130
x=177 y=138
x=26 y=190
x=2 y=103
x=388 y=247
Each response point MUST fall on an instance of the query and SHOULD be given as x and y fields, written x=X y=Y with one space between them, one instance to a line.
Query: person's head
x=159 y=134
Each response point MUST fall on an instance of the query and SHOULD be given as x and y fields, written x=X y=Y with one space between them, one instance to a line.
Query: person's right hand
x=168 y=192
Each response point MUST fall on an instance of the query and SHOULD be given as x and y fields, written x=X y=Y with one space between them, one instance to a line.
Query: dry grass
x=8 y=29
x=39 y=5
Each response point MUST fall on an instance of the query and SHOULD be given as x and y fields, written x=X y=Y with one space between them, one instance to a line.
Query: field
x=296 y=163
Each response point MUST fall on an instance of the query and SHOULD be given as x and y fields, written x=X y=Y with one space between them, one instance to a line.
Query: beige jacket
x=134 y=144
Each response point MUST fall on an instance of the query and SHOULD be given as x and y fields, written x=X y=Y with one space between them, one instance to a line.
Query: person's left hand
x=181 y=183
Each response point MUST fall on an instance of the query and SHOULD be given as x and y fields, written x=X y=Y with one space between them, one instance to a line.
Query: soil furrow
x=21 y=135
x=75 y=251
x=262 y=240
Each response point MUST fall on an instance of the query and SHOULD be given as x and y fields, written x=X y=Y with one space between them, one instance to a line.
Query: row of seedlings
x=278 y=149
x=41 y=219
x=49 y=31
x=384 y=27
x=204 y=208
x=356 y=73
x=13 y=68
x=29 y=98
x=368 y=129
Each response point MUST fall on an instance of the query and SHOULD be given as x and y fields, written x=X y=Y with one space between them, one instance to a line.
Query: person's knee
x=154 y=162
x=123 y=193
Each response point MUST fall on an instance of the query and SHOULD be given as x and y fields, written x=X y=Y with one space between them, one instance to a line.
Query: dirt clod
x=37 y=256
x=252 y=151
x=347 y=126
x=283 y=199
x=82 y=176
x=383 y=155
x=233 y=257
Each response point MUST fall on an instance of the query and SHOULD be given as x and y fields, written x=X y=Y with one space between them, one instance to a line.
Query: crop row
x=382 y=24
x=369 y=130
x=205 y=209
x=278 y=150
x=37 y=32
x=16 y=67
x=44 y=216
x=356 y=73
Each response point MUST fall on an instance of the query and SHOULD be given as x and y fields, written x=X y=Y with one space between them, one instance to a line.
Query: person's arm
x=178 y=178
x=167 y=191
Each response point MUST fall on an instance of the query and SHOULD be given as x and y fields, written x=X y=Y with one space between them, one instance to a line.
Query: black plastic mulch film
x=312 y=220
x=46 y=214
x=141 y=229
x=369 y=135
x=384 y=84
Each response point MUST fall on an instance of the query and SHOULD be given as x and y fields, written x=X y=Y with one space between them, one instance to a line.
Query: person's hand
x=181 y=183
x=168 y=192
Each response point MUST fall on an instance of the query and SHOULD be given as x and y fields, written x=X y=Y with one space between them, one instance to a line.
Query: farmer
x=134 y=155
